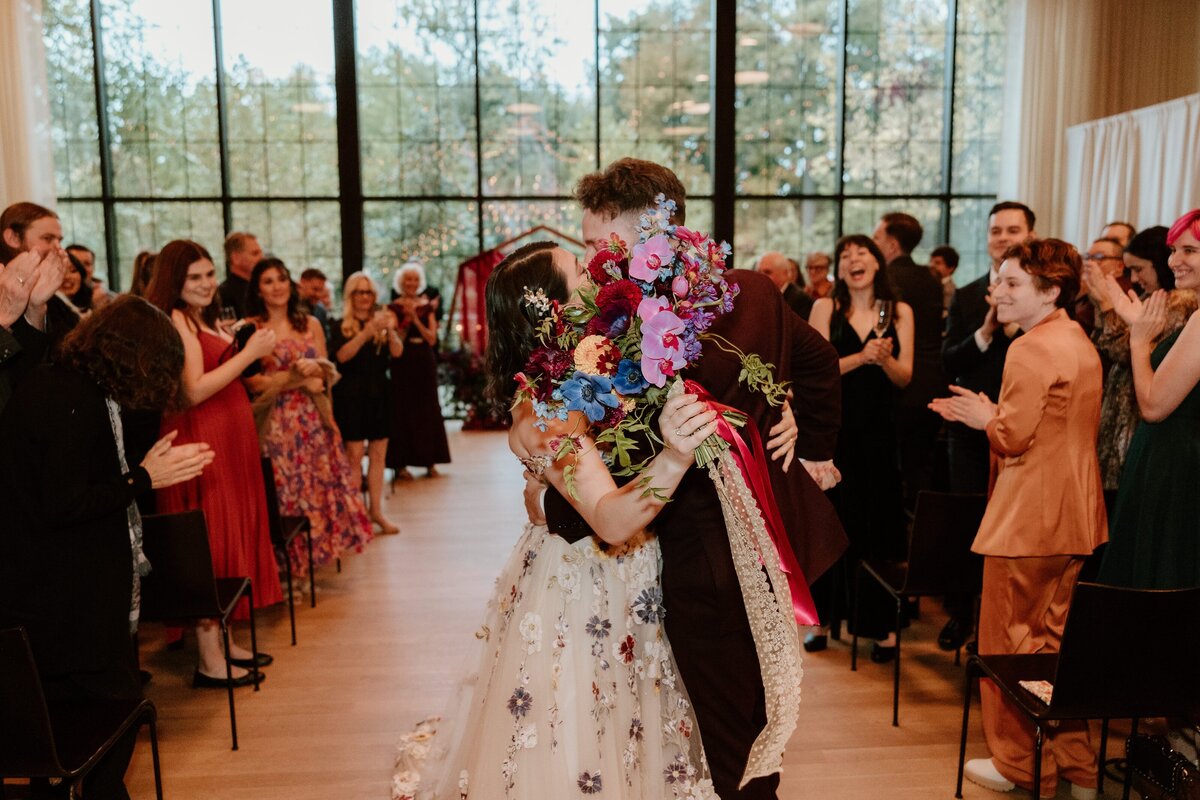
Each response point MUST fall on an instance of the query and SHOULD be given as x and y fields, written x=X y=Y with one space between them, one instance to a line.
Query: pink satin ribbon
x=751 y=460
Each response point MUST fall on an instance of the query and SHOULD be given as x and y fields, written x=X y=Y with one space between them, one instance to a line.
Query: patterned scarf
x=141 y=566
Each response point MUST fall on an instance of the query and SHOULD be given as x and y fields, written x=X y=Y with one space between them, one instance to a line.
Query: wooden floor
x=383 y=646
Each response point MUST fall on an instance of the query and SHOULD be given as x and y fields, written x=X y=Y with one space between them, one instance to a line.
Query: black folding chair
x=283 y=530
x=1097 y=673
x=64 y=742
x=181 y=585
x=939 y=562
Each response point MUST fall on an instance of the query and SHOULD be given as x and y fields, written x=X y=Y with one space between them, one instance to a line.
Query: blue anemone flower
x=589 y=394
x=629 y=380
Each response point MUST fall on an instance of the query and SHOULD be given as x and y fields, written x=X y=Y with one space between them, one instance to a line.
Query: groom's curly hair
x=631 y=184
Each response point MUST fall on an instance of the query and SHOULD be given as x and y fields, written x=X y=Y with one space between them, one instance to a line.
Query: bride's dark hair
x=510 y=333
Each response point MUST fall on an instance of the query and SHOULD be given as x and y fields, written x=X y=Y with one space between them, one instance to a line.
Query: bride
x=575 y=690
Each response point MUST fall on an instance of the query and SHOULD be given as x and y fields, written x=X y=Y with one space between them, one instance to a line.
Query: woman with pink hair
x=1153 y=532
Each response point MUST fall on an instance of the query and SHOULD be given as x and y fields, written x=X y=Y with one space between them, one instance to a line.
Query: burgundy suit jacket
x=762 y=323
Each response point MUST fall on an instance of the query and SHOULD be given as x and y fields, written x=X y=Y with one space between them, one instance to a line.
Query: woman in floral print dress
x=312 y=476
x=575 y=691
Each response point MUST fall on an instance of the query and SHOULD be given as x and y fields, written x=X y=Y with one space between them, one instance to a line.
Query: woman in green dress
x=1154 y=542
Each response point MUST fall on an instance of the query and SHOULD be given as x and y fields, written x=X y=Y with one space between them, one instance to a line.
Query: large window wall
x=366 y=133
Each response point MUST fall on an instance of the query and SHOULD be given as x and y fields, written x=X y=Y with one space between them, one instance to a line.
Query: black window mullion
x=724 y=99
x=839 y=167
x=222 y=118
x=948 y=113
x=478 y=132
x=111 y=250
x=345 y=59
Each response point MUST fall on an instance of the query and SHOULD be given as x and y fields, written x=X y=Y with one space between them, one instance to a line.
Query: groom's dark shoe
x=815 y=642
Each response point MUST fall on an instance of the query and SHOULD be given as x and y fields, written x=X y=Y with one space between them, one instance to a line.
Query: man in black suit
x=242 y=252
x=706 y=616
x=973 y=354
x=897 y=235
x=783 y=273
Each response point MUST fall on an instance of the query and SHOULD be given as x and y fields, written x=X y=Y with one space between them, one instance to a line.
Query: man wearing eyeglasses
x=1105 y=254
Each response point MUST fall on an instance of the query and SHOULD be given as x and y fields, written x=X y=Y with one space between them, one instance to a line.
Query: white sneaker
x=1081 y=793
x=983 y=772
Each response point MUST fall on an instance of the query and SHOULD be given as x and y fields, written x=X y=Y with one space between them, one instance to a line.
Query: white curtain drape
x=1142 y=167
x=26 y=146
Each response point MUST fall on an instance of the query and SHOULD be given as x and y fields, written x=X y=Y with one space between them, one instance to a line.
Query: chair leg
x=338 y=562
x=253 y=638
x=229 y=684
x=154 y=755
x=854 y=636
x=958 y=656
x=838 y=583
x=1128 y=766
x=312 y=570
x=1103 y=755
x=962 y=742
x=896 y=667
x=1038 y=738
x=287 y=568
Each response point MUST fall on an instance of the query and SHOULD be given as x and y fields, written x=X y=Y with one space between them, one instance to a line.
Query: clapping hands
x=877 y=351
x=973 y=409
x=28 y=282
x=168 y=464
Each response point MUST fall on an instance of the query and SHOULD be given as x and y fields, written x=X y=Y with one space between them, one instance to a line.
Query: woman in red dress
x=230 y=492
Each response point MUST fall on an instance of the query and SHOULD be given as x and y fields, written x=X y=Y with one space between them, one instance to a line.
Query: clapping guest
x=1146 y=257
x=312 y=476
x=1154 y=543
x=231 y=492
x=364 y=341
x=418 y=433
x=31 y=247
x=873 y=334
x=1046 y=511
x=70 y=545
x=1106 y=255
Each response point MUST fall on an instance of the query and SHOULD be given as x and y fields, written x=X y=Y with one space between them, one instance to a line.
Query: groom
x=706 y=618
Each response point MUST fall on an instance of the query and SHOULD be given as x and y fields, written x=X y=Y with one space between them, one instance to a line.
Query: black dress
x=418 y=434
x=362 y=399
x=869 y=499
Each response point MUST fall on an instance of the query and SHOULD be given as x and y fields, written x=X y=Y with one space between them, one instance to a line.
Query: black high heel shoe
x=881 y=654
x=262 y=660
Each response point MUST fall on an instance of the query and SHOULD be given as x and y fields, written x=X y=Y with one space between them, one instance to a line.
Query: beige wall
x=1146 y=52
x=1073 y=61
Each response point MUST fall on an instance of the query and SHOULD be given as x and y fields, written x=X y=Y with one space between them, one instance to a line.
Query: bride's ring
x=678 y=432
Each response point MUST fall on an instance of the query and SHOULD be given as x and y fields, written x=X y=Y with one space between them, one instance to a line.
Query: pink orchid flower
x=649 y=256
x=662 y=347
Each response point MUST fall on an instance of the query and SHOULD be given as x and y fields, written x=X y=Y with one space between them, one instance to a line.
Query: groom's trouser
x=723 y=681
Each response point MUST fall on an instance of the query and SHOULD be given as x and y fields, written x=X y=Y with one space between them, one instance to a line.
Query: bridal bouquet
x=615 y=354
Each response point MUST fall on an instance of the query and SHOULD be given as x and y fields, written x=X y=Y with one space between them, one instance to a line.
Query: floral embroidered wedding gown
x=574 y=693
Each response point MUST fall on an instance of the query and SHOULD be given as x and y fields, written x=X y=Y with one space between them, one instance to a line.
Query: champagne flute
x=883 y=317
x=227 y=319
